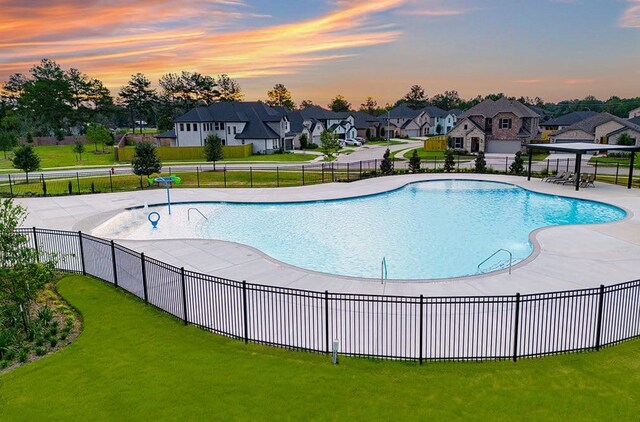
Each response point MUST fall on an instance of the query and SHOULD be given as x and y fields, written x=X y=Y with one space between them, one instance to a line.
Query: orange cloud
x=155 y=37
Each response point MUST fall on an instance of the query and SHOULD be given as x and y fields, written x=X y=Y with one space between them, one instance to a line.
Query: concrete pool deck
x=565 y=257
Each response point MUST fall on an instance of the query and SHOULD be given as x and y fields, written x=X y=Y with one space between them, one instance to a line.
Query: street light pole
x=388 y=128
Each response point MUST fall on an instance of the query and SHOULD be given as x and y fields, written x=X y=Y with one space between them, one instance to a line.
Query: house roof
x=455 y=111
x=435 y=112
x=317 y=112
x=236 y=111
x=402 y=111
x=570 y=118
x=489 y=108
x=361 y=120
x=170 y=134
x=635 y=120
x=257 y=129
x=343 y=123
x=589 y=125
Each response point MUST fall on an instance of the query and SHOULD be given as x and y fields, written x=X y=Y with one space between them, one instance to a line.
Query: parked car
x=361 y=139
x=352 y=141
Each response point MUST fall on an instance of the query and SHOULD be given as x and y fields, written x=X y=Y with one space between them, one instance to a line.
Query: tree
x=305 y=104
x=414 y=162
x=480 y=163
x=415 y=98
x=145 y=161
x=369 y=106
x=447 y=101
x=280 y=96
x=138 y=97
x=339 y=104
x=449 y=161
x=26 y=159
x=165 y=124
x=367 y=133
x=78 y=148
x=517 y=167
x=304 y=141
x=328 y=144
x=213 y=149
x=8 y=141
x=228 y=89
x=623 y=139
x=23 y=271
x=187 y=90
x=98 y=133
x=386 y=165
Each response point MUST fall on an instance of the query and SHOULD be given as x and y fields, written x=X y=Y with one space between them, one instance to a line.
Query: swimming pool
x=424 y=230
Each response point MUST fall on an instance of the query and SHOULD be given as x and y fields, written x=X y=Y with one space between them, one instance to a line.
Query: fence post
x=224 y=175
x=617 y=171
x=348 y=179
x=421 y=326
x=244 y=308
x=184 y=296
x=84 y=271
x=326 y=321
x=10 y=186
x=322 y=172
x=113 y=261
x=333 y=174
x=595 y=172
x=547 y=167
x=251 y=175
x=144 y=277
x=375 y=164
x=506 y=164
x=557 y=165
x=111 y=181
x=35 y=243
x=599 y=326
x=78 y=180
x=567 y=165
x=360 y=171
x=198 y=174
x=277 y=177
x=44 y=186
x=516 y=328
x=303 y=175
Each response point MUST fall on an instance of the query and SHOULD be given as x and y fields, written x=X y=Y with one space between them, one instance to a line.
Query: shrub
x=517 y=167
x=386 y=166
x=304 y=141
x=4 y=364
x=70 y=187
x=311 y=145
x=39 y=342
x=414 y=162
x=23 y=354
x=449 y=161
x=40 y=351
x=53 y=341
x=45 y=315
x=63 y=335
x=480 y=163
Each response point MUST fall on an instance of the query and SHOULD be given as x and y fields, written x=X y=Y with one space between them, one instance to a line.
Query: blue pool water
x=425 y=230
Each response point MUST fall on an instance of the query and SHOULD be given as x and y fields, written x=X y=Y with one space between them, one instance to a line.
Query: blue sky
x=554 y=49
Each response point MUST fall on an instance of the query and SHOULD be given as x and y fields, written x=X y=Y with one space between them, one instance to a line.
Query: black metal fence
x=400 y=327
x=118 y=180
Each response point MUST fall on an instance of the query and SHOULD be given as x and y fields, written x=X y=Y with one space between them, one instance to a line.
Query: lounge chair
x=556 y=177
x=565 y=176
x=589 y=181
x=571 y=180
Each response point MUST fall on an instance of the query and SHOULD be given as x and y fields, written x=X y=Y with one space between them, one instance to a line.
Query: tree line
x=52 y=101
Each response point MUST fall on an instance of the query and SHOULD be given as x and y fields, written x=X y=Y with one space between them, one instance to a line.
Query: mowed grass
x=63 y=156
x=133 y=362
x=437 y=155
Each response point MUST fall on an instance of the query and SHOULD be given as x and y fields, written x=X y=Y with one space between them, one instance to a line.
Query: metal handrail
x=494 y=254
x=199 y=212
x=383 y=270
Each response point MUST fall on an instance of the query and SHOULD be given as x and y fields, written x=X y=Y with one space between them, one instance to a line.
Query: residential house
x=634 y=113
x=563 y=121
x=603 y=128
x=362 y=122
x=314 y=120
x=236 y=123
x=404 y=121
x=439 y=121
x=635 y=120
x=500 y=126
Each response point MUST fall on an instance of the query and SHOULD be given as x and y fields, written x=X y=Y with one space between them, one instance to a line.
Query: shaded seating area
x=579 y=148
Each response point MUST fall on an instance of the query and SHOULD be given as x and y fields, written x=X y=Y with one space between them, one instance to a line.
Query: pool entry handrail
x=494 y=254
x=198 y=211
x=383 y=270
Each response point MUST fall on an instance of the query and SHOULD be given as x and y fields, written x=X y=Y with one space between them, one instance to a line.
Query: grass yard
x=136 y=363
x=392 y=142
x=63 y=156
x=613 y=161
x=439 y=155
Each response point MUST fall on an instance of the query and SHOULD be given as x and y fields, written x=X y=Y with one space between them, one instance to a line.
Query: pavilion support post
x=578 y=165
x=529 y=153
x=631 y=164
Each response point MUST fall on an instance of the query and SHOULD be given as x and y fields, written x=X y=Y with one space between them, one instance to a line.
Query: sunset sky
x=554 y=49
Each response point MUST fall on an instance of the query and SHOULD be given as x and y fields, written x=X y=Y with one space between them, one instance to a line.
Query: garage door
x=504 y=147
x=413 y=132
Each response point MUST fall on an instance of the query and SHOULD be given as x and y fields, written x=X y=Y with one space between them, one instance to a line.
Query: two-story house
x=439 y=121
x=500 y=126
x=313 y=120
x=603 y=128
x=236 y=123
x=405 y=121
x=563 y=121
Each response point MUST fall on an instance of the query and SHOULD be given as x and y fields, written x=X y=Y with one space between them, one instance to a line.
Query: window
x=188 y=127
x=229 y=130
x=505 y=123
x=181 y=127
x=235 y=130
x=489 y=124
x=465 y=127
x=458 y=143
x=218 y=126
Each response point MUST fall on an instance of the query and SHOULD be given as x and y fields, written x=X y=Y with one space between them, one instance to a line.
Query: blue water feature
x=426 y=230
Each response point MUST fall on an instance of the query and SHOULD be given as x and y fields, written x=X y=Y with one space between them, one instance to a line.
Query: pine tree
x=26 y=159
x=517 y=167
x=386 y=166
x=481 y=163
x=449 y=161
x=145 y=161
x=414 y=162
x=213 y=149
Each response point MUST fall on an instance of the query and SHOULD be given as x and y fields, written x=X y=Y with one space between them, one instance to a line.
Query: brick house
x=500 y=126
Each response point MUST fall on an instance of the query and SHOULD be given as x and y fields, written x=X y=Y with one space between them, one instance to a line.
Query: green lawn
x=537 y=156
x=63 y=156
x=439 y=155
x=612 y=161
x=135 y=363
x=392 y=142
